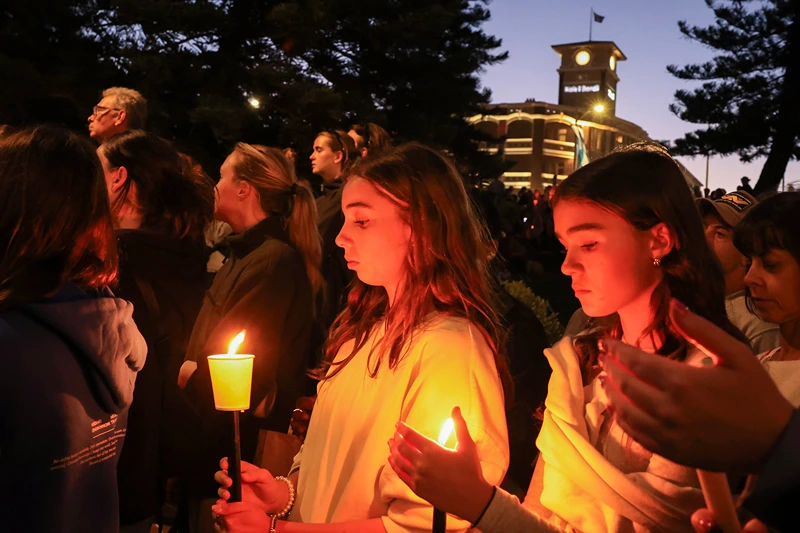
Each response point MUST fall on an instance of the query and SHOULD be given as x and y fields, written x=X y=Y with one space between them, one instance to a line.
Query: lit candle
x=439 y=516
x=718 y=497
x=231 y=377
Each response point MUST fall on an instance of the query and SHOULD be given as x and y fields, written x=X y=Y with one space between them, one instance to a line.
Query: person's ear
x=244 y=189
x=120 y=177
x=122 y=116
x=662 y=241
x=338 y=157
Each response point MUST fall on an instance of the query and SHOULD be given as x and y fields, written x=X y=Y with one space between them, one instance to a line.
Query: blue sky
x=647 y=33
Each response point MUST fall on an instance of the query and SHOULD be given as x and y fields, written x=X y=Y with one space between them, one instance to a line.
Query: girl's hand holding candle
x=451 y=480
x=259 y=488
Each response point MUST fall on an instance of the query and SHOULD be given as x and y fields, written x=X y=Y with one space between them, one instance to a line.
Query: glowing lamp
x=254 y=102
x=231 y=376
x=599 y=108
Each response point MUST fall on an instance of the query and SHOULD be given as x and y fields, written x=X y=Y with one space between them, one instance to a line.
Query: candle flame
x=447 y=430
x=235 y=343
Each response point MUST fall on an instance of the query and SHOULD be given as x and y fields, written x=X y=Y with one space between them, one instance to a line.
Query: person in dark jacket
x=69 y=350
x=161 y=208
x=333 y=155
x=266 y=287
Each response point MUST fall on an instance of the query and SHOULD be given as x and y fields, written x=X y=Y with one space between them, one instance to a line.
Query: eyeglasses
x=98 y=110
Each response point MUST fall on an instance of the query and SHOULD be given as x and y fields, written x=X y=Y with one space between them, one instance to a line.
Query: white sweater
x=344 y=473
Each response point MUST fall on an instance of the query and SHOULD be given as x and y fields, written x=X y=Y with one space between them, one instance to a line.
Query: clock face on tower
x=612 y=62
x=583 y=57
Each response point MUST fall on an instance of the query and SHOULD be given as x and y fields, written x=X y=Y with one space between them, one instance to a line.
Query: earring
x=657 y=261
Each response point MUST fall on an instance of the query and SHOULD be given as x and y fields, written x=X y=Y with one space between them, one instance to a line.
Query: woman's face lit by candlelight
x=374 y=236
x=610 y=262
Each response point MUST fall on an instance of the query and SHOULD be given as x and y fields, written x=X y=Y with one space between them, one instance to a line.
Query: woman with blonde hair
x=267 y=287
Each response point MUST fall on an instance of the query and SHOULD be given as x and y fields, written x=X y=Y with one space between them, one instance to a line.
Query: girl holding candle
x=420 y=334
x=634 y=240
x=267 y=287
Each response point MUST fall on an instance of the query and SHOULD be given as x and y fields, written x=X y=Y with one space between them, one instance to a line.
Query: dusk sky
x=647 y=33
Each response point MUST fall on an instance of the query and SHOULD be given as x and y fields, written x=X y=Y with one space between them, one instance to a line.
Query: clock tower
x=588 y=75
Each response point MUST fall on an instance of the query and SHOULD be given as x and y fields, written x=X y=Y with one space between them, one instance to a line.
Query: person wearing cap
x=745 y=186
x=720 y=217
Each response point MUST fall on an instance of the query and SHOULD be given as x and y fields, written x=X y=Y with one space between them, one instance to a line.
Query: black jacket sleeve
x=777 y=491
x=259 y=303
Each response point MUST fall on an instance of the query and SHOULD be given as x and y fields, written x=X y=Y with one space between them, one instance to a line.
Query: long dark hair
x=373 y=138
x=447 y=265
x=55 y=221
x=174 y=198
x=642 y=184
x=772 y=224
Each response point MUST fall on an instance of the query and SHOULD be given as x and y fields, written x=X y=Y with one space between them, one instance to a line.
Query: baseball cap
x=731 y=208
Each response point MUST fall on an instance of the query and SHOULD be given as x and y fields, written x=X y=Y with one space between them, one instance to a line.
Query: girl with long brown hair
x=266 y=287
x=420 y=334
x=69 y=349
x=634 y=241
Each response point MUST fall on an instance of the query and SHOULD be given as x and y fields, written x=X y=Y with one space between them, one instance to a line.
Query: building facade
x=540 y=141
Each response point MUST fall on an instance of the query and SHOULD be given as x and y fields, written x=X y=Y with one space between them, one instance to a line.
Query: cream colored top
x=785 y=374
x=344 y=472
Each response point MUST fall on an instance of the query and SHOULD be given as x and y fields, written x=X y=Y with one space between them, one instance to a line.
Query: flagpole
x=591 y=20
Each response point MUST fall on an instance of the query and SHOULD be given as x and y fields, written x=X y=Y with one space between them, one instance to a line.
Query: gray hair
x=134 y=104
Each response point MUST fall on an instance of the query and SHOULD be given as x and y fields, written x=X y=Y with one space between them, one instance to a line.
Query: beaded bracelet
x=290 y=504
x=273 y=524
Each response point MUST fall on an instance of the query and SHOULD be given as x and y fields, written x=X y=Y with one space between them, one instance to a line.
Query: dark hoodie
x=67 y=370
x=164 y=278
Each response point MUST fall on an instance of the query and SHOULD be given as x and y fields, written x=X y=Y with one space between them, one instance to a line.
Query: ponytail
x=304 y=235
x=281 y=194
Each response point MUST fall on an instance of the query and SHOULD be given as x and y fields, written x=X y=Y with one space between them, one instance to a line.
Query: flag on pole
x=598 y=18
x=581 y=158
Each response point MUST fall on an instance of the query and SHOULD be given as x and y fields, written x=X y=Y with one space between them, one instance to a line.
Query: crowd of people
x=373 y=308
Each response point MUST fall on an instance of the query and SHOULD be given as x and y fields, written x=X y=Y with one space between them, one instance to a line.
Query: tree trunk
x=786 y=132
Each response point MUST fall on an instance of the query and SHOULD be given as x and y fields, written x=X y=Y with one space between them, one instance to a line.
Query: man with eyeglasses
x=120 y=110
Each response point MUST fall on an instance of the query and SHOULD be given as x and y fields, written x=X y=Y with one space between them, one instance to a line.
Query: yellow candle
x=231 y=376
